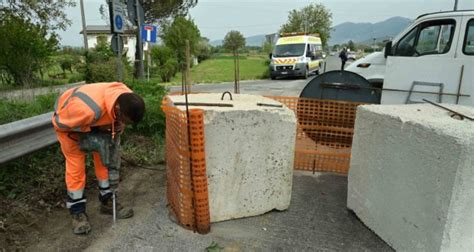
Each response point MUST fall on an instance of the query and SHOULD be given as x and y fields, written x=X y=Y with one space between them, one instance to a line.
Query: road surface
x=279 y=87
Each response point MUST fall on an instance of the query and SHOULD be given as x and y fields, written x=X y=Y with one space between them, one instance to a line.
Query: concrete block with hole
x=411 y=178
x=249 y=154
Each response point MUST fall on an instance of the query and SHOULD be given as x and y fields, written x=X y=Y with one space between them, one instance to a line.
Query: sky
x=215 y=18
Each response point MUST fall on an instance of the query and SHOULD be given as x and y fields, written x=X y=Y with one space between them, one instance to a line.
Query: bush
x=16 y=110
x=76 y=78
x=25 y=48
x=66 y=64
x=369 y=50
x=166 y=62
x=100 y=71
x=143 y=144
x=154 y=120
x=101 y=65
x=266 y=73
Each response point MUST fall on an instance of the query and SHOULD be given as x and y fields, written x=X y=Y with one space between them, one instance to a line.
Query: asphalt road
x=279 y=87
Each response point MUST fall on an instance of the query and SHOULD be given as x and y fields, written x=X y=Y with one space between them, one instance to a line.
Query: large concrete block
x=249 y=154
x=411 y=178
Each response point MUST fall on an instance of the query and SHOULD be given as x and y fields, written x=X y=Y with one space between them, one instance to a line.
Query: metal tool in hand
x=108 y=148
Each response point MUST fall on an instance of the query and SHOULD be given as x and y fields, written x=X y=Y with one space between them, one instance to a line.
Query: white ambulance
x=296 y=54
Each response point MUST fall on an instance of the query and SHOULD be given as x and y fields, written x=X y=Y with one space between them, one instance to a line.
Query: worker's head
x=130 y=109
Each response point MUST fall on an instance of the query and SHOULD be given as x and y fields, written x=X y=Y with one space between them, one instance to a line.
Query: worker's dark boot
x=122 y=212
x=80 y=224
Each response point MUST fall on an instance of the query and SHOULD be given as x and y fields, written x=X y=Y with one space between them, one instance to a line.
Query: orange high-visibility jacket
x=79 y=109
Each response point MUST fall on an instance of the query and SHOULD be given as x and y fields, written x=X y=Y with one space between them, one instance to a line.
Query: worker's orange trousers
x=76 y=168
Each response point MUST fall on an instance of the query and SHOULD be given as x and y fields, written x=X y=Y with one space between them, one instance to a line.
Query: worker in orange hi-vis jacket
x=104 y=107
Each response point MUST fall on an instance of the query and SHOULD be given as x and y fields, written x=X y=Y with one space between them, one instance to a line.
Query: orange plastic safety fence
x=324 y=133
x=187 y=191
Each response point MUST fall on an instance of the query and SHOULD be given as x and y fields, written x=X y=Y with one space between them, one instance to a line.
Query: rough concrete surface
x=317 y=220
x=411 y=178
x=249 y=155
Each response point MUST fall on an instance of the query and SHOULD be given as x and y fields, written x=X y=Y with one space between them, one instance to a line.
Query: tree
x=233 y=41
x=314 y=18
x=49 y=14
x=203 y=50
x=24 y=48
x=28 y=31
x=165 y=60
x=175 y=35
x=351 y=45
x=160 y=9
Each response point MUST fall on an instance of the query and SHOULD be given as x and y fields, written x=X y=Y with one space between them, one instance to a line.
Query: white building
x=97 y=32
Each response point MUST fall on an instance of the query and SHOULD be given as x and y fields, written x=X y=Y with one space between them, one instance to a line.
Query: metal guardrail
x=29 y=94
x=25 y=136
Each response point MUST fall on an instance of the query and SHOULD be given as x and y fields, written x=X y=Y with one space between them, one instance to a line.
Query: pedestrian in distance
x=343 y=56
x=81 y=112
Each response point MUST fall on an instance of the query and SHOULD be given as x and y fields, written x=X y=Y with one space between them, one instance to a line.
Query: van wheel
x=305 y=74
x=273 y=77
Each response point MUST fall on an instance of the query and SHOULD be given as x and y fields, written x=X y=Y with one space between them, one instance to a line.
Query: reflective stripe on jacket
x=78 y=109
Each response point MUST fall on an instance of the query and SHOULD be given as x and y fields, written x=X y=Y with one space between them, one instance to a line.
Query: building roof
x=103 y=29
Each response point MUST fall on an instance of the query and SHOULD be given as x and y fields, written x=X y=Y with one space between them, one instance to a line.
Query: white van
x=296 y=54
x=432 y=59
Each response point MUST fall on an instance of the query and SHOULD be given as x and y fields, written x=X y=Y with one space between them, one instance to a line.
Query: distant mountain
x=256 y=40
x=366 y=32
x=363 y=33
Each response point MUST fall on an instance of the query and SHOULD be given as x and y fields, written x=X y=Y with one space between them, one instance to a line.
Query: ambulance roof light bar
x=289 y=34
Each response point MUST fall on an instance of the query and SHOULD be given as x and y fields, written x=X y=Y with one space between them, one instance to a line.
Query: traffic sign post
x=117 y=26
x=149 y=33
x=118 y=16
x=135 y=10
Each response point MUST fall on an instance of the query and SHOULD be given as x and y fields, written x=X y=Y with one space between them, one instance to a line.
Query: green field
x=221 y=69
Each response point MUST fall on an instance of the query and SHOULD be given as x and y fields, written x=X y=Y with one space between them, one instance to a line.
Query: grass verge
x=221 y=69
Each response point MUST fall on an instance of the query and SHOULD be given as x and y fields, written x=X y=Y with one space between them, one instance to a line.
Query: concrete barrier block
x=411 y=178
x=249 y=154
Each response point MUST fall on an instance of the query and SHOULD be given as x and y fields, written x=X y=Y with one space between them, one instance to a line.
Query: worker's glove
x=113 y=178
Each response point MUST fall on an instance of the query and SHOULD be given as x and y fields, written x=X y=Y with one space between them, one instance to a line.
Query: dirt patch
x=44 y=229
x=39 y=220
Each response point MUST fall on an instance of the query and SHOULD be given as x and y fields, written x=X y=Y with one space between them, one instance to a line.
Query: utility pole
x=84 y=31
x=140 y=72
x=455 y=5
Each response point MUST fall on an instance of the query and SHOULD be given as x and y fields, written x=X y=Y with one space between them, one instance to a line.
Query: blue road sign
x=149 y=33
x=118 y=22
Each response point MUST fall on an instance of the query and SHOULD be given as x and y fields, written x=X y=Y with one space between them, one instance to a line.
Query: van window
x=289 y=50
x=468 y=47
x=433 y=37
x=405 y=46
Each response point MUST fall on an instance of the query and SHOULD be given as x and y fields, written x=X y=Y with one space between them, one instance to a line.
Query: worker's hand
x=105 y=128
x=119 y=127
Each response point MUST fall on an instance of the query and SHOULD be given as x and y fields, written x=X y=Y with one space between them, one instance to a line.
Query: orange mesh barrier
x=187 y=191
x=324 y=133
